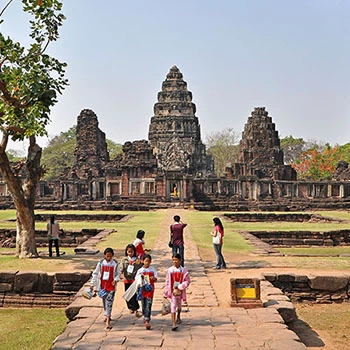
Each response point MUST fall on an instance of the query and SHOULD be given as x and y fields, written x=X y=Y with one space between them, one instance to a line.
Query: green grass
x=201 y=224
x=30 y=328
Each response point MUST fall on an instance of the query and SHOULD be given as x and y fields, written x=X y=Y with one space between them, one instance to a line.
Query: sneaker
x=148 y=325
x=217 y=267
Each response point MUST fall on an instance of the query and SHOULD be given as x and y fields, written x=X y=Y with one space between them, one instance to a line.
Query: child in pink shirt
x=176 y=281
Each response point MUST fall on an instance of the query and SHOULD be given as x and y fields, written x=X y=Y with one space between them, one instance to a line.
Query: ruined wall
x=324 y=289
x=90 y=155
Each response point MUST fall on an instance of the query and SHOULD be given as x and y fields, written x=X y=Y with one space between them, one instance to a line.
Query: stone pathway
x=205 y=324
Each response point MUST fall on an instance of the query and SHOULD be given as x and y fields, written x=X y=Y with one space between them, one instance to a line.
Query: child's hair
x=52 y=219
x=217 y=222
x=148 y=256
x=130 y=246
x=108 y=250
x=140 y=234
x=177 y=218
x=177 y=256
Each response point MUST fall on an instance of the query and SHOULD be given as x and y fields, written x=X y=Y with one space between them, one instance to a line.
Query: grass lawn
x=30 y=328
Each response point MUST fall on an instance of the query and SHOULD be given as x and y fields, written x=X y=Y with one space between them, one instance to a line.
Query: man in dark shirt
x=177 y=233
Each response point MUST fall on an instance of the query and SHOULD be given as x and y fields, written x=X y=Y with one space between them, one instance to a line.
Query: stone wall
x=314 y=289
x=67 y=238
x=263 y=217
x=304 y=238
x=40 y=289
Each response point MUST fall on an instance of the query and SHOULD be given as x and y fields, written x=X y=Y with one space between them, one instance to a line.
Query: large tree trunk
x=25 y=238
x=23 y=194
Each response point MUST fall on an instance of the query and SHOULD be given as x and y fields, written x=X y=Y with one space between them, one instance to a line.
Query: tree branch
x=6 y=6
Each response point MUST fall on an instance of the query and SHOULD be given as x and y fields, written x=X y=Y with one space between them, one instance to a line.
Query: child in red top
x=104 y=279
x=130 y=264
x=149 y=276
x=138 y=243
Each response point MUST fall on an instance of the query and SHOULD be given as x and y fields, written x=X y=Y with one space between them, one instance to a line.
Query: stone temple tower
x=174 y=131
x=260 y=152
x=91 y=154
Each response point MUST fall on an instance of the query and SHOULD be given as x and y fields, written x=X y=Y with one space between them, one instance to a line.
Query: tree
x=29 y=83
x=223 y=147
x=59 y=154
x=292 y=148
x=114 y=148
x=318 y=164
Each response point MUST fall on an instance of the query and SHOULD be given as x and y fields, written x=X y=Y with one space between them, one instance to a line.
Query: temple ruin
x=173 y=168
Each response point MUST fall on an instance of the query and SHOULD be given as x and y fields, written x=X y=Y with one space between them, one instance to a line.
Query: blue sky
x=290 y=56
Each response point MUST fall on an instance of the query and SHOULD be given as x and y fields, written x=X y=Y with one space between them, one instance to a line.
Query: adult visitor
x=53 y=231
x=177 y=237
x=218 y=234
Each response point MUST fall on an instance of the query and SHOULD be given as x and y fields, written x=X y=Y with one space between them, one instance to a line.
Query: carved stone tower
x=174 y=131
x=260 y=151
x=90 y=155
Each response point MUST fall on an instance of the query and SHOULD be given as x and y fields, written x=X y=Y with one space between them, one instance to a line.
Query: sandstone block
x=26 y=282
x=329 y=283
x=7 y=276
x=5 y=287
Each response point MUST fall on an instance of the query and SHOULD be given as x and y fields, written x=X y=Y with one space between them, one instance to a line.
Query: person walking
x=177 y=238
x=218 y=234
x=53 y=231
x=139 y=243
x=104 y=280
x=176 y=281
x=130 y=264
x=149 y=276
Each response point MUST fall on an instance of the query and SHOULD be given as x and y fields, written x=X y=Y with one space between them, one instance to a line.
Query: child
x=149 y=276
x=138 y=243
x=130 y=264
x=176 y=281
x=104 y=280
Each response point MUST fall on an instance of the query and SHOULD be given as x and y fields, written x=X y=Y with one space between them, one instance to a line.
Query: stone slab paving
x=205 y=324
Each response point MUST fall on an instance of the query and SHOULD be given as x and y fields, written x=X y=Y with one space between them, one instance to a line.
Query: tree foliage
x=59 y=154
x=113 y=148
x=292 y=148
x=319 y=164
x=223 y=147
x=30 y=80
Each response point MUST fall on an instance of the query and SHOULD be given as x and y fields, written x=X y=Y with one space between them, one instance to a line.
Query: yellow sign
x=245 y=292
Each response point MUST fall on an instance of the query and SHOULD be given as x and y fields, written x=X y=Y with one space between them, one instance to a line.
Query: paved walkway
x=205 y=324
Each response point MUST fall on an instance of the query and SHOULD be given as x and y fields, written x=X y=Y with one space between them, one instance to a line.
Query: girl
x=176 y=281
x=138 y=243
x=104 y=280
x=218 y=234
x=130 y=264
x=149 y=276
